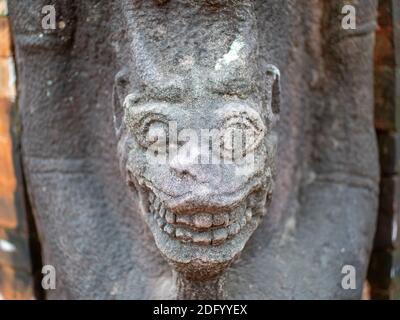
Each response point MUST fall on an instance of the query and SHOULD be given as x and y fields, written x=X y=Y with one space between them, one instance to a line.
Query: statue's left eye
x=240 y=134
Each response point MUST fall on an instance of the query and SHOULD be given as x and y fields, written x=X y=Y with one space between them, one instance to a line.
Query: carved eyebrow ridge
x=239 y=87
x=167 y=92
x=151 y=108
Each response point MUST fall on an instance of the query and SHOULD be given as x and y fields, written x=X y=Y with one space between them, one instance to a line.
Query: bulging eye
x=151 y=130
x=240 y=134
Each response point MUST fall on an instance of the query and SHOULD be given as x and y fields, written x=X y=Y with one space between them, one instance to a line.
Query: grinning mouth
x=200 y=228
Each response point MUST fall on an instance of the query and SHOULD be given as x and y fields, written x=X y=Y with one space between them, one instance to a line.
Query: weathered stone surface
x=324 y=202
x=200 y=86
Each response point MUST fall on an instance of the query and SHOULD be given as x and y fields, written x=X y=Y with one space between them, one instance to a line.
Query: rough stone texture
x=200 y=86
x=324 y=203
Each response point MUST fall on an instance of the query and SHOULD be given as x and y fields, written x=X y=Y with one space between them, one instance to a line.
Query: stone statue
x=133 y=86
x=201 y=214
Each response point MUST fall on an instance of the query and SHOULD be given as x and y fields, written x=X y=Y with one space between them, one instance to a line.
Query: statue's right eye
x=152 y=130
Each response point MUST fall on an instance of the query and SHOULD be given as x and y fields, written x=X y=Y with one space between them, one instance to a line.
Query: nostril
x=181 y=168
x=184 y=172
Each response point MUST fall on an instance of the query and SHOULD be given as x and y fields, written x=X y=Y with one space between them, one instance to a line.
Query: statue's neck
x=200 y=290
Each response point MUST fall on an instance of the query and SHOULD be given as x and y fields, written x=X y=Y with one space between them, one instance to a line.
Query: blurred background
x=16 y=271
x=20 y=261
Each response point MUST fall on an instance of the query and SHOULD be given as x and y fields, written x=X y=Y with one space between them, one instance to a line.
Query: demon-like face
x=194 y=113
x=202 y=167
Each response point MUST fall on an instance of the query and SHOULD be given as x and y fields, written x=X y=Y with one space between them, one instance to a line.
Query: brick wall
x=15 y=263
x=384 y=271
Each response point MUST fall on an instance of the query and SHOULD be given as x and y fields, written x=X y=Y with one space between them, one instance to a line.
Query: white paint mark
x=6 y=246
x=232 y=55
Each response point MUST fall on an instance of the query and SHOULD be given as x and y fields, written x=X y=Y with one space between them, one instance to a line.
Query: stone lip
x=199 y=261
x=201 y=253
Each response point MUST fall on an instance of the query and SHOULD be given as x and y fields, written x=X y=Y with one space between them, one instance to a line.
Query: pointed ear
x=119 y=93
x=274 y=82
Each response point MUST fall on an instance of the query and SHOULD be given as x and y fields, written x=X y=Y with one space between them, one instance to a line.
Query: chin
x=201 y=245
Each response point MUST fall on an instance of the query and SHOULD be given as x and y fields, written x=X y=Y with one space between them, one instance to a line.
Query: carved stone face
x=195 y=130
x=202 y=190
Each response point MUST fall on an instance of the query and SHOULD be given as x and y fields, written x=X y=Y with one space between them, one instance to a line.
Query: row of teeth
x=200 y=228
x=214 y=236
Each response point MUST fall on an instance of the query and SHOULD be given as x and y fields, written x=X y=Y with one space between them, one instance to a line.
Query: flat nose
x=185 y=168
x=187 y=163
